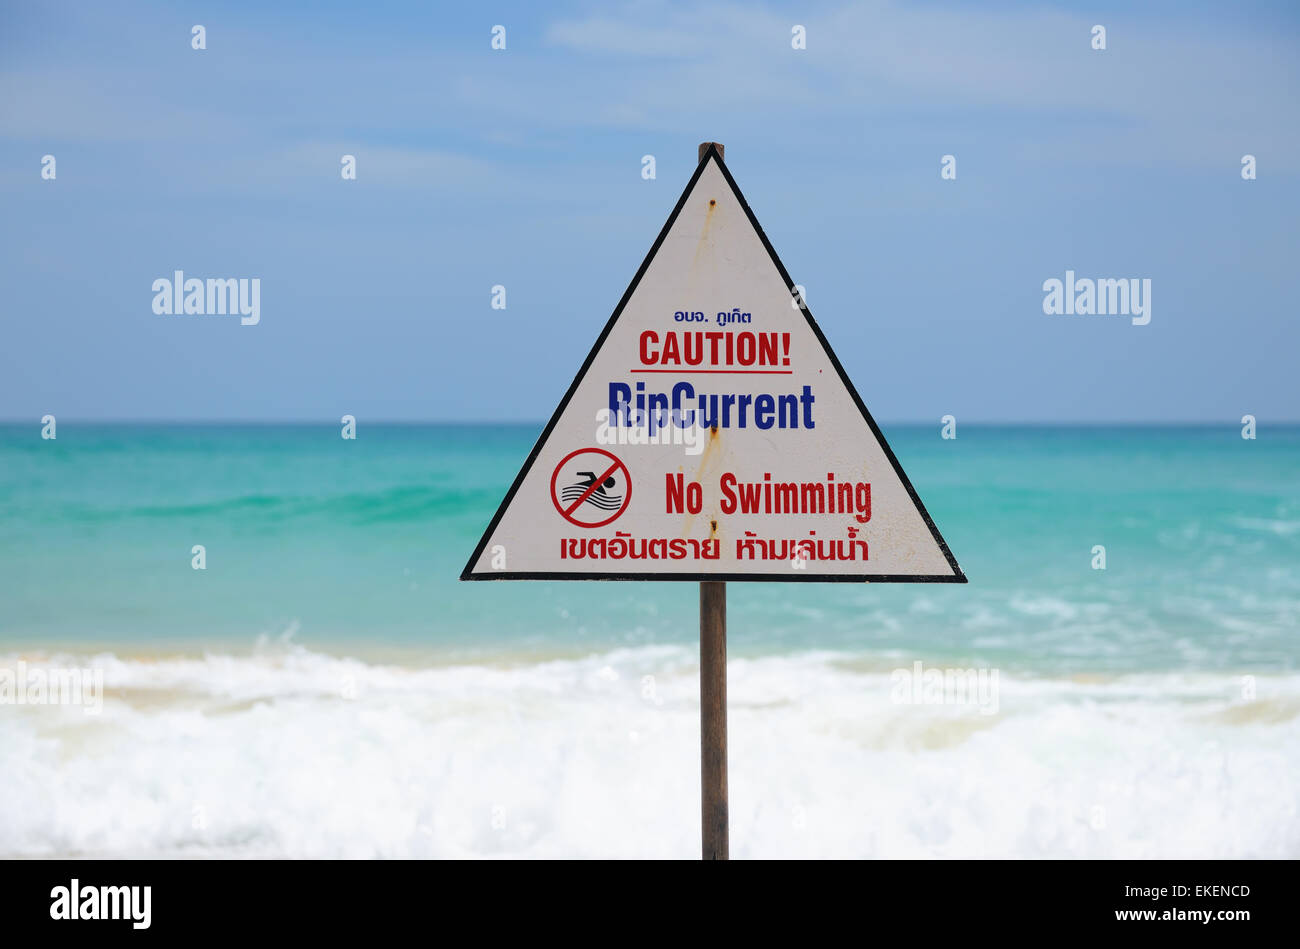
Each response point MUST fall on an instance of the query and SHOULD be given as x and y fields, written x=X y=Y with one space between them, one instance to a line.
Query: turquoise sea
x=358 y=544
x=329 y=636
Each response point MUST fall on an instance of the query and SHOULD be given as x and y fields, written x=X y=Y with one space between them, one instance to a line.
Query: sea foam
x=289 y=752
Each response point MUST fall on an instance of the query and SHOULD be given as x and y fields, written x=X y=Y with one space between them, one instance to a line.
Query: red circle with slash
x=607 y=464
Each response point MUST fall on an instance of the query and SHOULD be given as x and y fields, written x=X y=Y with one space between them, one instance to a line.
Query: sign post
x=714 y=814
x=713 y=718
x=711 y=436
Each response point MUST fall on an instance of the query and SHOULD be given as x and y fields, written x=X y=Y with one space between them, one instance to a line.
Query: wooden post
x=713 y=703
x=713 y=719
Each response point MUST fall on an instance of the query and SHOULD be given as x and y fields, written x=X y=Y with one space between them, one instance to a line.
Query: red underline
x=734 y=372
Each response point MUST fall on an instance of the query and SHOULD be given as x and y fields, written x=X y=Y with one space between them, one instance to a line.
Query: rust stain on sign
x=711 y=465
x=706 y=238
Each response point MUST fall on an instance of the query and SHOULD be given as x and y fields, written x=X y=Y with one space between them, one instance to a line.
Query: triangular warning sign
x=712 y=434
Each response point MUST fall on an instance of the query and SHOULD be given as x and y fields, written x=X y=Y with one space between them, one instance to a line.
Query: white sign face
x=712 y=434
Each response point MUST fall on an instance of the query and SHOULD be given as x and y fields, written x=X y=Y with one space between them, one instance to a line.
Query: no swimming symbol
x=590 y=487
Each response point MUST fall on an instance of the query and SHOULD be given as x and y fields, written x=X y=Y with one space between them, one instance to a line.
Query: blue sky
x=522 y=167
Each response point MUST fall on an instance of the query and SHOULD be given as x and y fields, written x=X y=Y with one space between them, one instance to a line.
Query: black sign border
x=957 y=576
